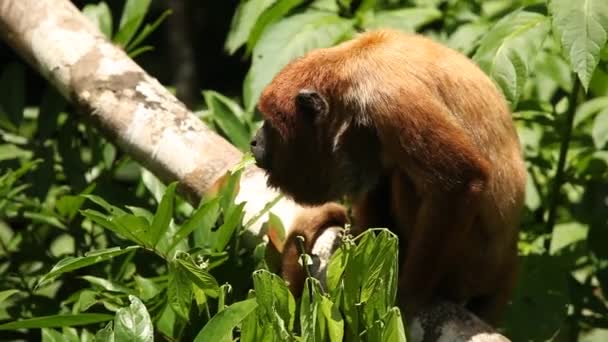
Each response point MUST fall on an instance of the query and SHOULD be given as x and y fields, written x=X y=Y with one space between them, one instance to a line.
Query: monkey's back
x=380 y=66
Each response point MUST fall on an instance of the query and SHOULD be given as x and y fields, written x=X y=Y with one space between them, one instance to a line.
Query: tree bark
x=137 y=113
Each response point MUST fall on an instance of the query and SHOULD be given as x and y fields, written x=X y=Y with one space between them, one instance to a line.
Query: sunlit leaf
x=582 y=29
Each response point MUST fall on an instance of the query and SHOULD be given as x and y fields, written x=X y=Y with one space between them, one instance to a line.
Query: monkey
x=420 y=140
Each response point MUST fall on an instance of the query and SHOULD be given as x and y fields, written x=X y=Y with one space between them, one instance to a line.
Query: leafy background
x=94 y=247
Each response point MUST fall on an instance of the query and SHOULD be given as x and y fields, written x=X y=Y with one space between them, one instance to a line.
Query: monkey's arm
x=310 y=223
x=450 y=174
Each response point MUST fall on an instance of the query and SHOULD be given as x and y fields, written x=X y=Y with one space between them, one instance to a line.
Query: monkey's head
x=311 y=145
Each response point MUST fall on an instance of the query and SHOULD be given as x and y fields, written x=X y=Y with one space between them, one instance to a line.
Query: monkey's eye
x=311 y=102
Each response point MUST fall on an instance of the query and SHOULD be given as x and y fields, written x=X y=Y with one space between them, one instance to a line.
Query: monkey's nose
x=253 y=143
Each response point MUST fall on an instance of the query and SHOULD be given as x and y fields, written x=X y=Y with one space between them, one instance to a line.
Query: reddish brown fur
x=310 y=224
x=421 y=140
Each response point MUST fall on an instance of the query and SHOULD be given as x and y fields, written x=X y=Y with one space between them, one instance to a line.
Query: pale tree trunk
x=138 y=114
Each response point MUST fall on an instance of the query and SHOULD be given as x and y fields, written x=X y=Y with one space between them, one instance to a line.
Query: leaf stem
x=561 y=162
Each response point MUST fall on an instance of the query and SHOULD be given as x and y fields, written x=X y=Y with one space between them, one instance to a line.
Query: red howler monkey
x=421 y=141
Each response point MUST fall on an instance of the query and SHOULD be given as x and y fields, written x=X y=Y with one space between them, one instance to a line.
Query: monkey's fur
x=422 y=142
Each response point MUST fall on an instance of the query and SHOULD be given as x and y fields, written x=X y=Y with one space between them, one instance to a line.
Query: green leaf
x=309 y=308
x=136 y=228
x=12 y=96
x=333 y=317
x=101 y=16
x=56 y=321
x=147 y=288
x=582 y=29
x=336 y=266
x=133 y=323
x=590 y=108
x=106 y=334
x=286 y=40
x=144 y=33
x=10 y=151
x=507 y=52
x=50 y=335
x=110 y=209
x=107 y=285
x=201 y=277
x=271 y=15
x=394 y=329
x=179 y=290
x=163 y=216
x=133 y=14
x=244 y=19
x=4 y=295
x=466 y=37
x=276 y=302
x=203 y=219
x=222 y=324
x=600 y=129
x=406 y=19
x=227 y=115
x=71 y=263
x=225 y=232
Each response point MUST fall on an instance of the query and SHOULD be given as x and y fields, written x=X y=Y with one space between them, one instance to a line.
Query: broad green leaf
x=203 y=219
x=309 y=311
x=106 y=334
x=507 y=52
x=466 y=37
x=274 y=13
x=333 y=319
x=12 y=96
x=588 y=109
x=276 y=302
x=336 y=266
x=600 y=129
x=201 y=277
x=179 y=290
x=405 y=19
x=226 y=115
x=10 y=151
x=222 y=324
x=141 y=212
x=243 y=21
x=73 y=263
x=163 y=216
x=384 y=251
x=50 y=335
x=103 y=221
x=286 y=40
x=565 y=234
x=582 y=29
x=107 y=285
x=101 y=16
x=153 y=184
x=394 y=329
x=132 y=16
x=133 y=323
x=136 y=228
x=4 y=295
x=144 y=33
x=110 y=209
x=225 y=232
x=146 y=288
x=56 y=321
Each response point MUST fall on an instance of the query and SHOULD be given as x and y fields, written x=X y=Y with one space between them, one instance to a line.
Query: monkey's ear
x=311 y=102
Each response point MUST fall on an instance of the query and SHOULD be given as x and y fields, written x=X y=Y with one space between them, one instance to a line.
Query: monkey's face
x=294 y=146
